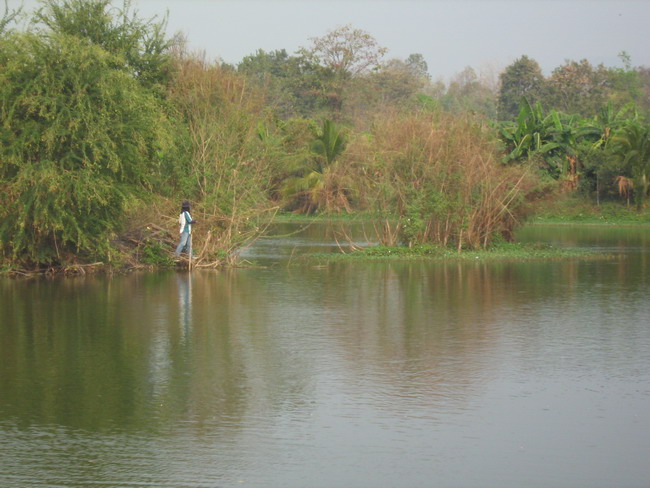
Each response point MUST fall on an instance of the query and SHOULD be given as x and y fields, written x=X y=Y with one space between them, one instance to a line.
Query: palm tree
x=328 y=145
x=319 y=182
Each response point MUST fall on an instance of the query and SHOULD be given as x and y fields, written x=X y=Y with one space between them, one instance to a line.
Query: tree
x=418 y=66
x=349 y=54
x=346 y=51
x=522 y=79
x=395 y=84
x=578 y=88
x=139 y=44
x=295 y=85
x=319 y=184
x=79 y=136
x=329 y=144
x=629 y=84
x=631 y=145
x=467 y=93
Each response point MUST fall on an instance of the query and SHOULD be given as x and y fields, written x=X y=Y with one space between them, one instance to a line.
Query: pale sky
x=450 y=34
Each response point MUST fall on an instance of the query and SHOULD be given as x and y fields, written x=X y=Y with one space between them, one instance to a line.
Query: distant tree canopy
x=294 y=84
x=346 y=51
x=522 y=79
x=578 y=88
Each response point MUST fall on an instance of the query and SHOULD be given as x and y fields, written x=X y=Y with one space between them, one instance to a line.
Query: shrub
x=436 y=178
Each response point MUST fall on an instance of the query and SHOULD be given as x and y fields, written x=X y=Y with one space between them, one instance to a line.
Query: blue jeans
x=184 y=244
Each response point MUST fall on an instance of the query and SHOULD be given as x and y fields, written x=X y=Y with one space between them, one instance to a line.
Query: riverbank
x=561 y=209
x=568 y=209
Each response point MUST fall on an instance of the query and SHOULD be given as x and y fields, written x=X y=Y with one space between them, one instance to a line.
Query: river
x=348 y=374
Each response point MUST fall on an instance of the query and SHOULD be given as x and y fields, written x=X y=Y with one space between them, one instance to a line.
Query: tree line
x=107 y=124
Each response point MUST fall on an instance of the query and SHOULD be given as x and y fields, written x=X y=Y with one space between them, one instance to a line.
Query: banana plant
x=553 y=139
x=530 y=134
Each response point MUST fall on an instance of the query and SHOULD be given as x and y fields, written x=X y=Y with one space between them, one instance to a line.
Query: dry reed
x=436 y=178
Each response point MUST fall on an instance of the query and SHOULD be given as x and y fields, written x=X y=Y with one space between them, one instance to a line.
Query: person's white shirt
x=183 y=221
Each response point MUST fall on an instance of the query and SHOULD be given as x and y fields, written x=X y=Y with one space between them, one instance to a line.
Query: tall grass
x=436 y=178
x=228 y=172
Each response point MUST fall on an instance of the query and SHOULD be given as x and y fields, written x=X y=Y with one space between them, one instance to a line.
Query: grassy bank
x=499 y=252
x=562 y=209
x=571 y=209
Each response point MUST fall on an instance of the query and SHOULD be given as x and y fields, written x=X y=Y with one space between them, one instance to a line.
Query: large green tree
x=80 y=136
x=140 y=45
x=295 y=86
x=522 y=79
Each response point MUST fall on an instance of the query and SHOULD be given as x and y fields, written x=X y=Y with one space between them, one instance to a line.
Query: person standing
x=185 y=221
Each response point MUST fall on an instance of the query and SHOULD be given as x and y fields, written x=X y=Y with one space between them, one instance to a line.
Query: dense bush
x=79 y=135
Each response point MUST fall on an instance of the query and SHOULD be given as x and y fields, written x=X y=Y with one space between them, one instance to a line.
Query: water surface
x=374 y=374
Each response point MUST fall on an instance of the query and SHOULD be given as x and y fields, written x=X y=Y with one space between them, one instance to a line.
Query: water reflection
x=184 y=282
x=394 y=373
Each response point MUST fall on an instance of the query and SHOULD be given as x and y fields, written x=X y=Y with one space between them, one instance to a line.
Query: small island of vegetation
x=107 y=125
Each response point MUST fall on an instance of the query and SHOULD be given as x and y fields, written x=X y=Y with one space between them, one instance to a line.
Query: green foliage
x=629 y=85
x=318 y=184
x=631 y=145
x=294 y=85
x=153 y=253
x=137 y=44
x=522 y=79
x=78 y=134
x=466 y=93
x=329 y=144
x=554 y=140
